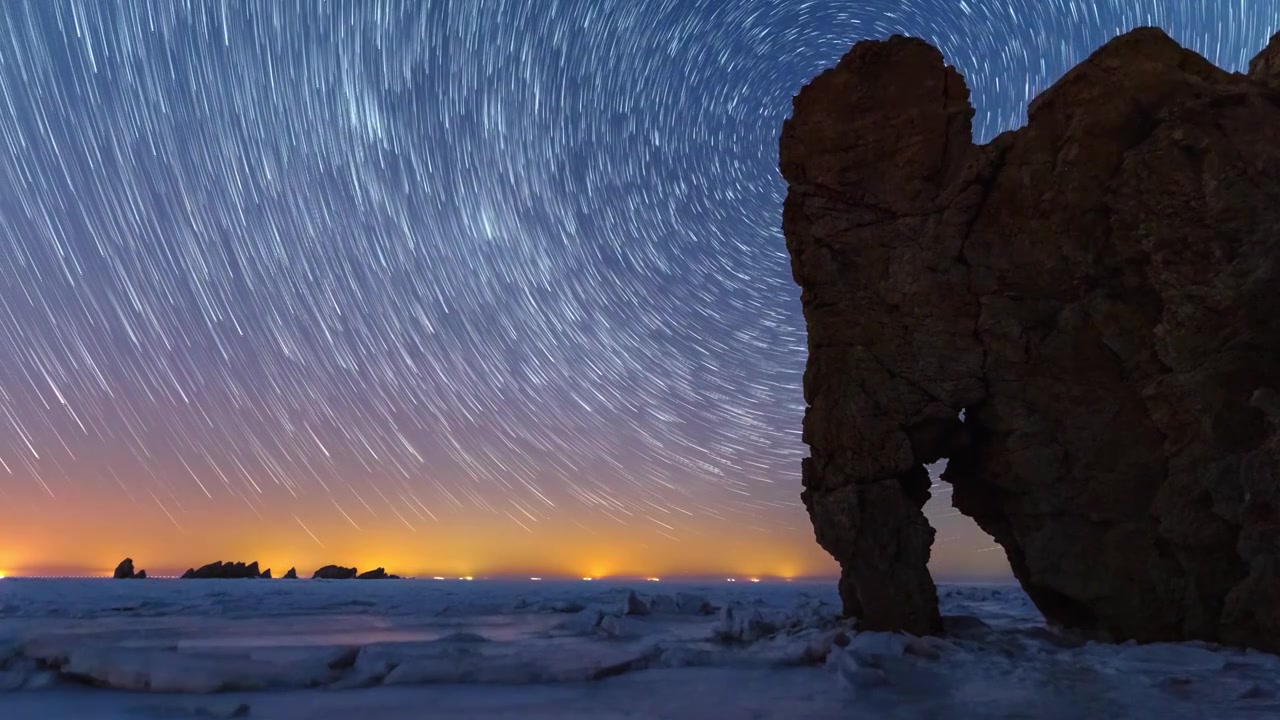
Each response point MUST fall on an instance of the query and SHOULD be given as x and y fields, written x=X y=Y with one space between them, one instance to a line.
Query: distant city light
x=465 y=578
x=535 y=579
x=730 y=580
x=437 y=577
x=588 y=579
x=653 y=579
x=755 y=579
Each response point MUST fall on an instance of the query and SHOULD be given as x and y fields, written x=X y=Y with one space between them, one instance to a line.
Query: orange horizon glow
x=89 y=533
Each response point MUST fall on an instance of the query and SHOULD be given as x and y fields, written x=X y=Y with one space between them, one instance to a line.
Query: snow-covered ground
x=316 y=650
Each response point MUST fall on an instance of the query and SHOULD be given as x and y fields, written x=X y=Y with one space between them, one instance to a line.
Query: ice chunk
x=1169 y=657
x=742 y=625
x=205 y=710
x=634 y=605
x=690 y=604
x=561 y=606
x=663 y=605
x=852 y=673
x=11 y=680
x=582 y=623
x=870 y=646
x=164 y=671
x=620 y=627
x=464 y=637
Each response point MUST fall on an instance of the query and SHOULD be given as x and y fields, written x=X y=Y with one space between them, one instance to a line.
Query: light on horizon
x=588 y=579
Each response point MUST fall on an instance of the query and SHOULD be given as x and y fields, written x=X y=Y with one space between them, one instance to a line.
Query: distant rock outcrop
x=124 y=571
x=334 y=572
x=226 y=571
x=1083 y=316
x=291 y=575
x=337 y=572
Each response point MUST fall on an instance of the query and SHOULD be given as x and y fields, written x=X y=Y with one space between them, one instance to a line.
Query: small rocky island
x=337 y=572
x=1082 y=317
x=124 y=571
x=249 y=571
x=227 y=571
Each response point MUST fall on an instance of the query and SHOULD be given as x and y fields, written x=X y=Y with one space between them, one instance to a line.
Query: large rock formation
x=335 y=572
x=1098 y=292
x=124 y=571
x=226 y=571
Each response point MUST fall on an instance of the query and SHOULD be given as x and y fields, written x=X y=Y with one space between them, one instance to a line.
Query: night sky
x=464 y=287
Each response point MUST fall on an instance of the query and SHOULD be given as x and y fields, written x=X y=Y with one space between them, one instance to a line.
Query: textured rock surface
x=1265 y=67
x=1099 y=291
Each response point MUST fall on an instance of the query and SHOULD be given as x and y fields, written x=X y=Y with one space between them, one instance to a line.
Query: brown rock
x=1096 y=291
x=1265 y=68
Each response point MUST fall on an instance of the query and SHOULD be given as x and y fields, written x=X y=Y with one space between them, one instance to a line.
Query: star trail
x=447 y=286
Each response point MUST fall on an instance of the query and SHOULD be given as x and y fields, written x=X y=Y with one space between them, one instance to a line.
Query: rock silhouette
x=377 y=574
x=1098 y=293
x=124 y=571
x=291 y=575
x=334 y=572
x=226 y=571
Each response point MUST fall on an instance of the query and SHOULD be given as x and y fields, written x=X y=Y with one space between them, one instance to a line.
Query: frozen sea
x=375 y=650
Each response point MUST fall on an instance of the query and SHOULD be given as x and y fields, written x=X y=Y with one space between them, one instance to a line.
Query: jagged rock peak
x=335 y=572
x=219 y=570
x=1265 y=67
x=124 y=571
x=1095 y=291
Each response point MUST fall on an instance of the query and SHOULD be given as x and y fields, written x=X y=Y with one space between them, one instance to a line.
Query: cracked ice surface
x=315 y=649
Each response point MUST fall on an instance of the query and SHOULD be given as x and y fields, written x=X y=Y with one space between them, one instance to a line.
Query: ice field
x=295 y=650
